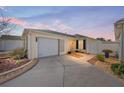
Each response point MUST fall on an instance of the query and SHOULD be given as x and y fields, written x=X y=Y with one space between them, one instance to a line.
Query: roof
x=26 y=31
x=82 y=36
x=109 y=42
x=10 y=37
x=78 y=36
x=119 y=21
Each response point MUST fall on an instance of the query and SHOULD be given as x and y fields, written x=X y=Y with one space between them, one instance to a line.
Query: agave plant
x=107 y=52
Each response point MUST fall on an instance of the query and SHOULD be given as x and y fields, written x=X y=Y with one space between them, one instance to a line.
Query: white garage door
x=47 y=47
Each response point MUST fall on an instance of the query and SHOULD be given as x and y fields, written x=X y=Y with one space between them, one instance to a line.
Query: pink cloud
x=60 y=26
x=57 y=26
x=15 y=21
x=18 y=21
x=38 y=26
x=106 y=33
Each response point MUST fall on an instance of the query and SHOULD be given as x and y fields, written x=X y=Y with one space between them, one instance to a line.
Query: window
x=84 y=44
x=76 y=44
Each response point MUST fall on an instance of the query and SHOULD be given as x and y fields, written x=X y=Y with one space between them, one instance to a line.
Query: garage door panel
x=47 y=47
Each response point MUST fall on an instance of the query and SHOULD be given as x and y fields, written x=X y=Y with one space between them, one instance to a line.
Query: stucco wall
x=114 y=46
x=119 y=35
x=11 y=44
x=32 y=43
x=91 y=46
x=97 y=46
x=119 y=47
x=122 y=44
x=1 y=45
x=71 y=44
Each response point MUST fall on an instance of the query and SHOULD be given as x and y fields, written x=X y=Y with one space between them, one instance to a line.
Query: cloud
x=56 y=26
x=107 y=33
x=14 y=21
x=38 y=26
x=61 y=26
x=3 y=8
x=18 y=22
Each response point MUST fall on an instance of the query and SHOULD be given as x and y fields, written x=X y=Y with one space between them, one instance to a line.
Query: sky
x=92 y=21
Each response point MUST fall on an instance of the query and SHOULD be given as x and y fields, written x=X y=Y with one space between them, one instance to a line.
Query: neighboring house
x=119 y=35
x=9 y=42
x=43 y=43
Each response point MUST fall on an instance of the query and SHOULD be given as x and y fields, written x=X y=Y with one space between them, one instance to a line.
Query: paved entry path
x=64 y=71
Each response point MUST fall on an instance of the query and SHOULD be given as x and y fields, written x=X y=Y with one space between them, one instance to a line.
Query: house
x=43 y=43
x=9 y=42
x=119 y=35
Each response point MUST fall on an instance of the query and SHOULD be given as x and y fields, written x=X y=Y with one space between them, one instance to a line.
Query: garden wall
x=114 y=46
x=5 y=76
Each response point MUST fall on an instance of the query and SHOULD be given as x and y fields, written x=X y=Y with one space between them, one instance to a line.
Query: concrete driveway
x=67 y=71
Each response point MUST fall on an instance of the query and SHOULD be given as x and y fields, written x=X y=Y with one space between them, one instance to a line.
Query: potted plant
x=107 y=52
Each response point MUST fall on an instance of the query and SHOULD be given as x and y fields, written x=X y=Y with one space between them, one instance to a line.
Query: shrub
x=107 y=51
x=114 y=68
x=19 y=53
x=118 y=68
x=101 y=57
x=121 y=68
x=17 y=62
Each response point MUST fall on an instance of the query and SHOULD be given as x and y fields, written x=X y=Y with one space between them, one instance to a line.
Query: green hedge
x=100 y=57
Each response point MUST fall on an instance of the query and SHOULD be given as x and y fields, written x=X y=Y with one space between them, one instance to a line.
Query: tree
x=5 y=23
x=109 y=40
x=102 y=39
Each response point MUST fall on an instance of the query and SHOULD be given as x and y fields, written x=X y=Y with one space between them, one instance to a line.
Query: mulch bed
x=4 y=56
x=105 y=66
x=9 y=63
x=93 y=60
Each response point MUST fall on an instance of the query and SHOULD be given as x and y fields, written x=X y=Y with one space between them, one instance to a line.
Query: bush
x=121 y=68
x=101 y=57
x=114 y=68
x=107 y=51
x=18 y=53
x=118 y=68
